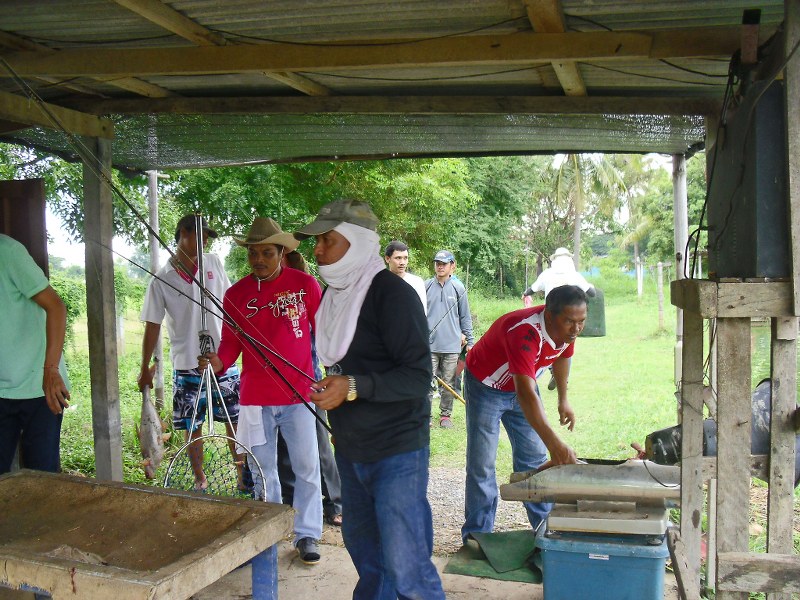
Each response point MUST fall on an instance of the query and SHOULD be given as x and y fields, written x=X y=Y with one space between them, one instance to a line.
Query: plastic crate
x=581 y=566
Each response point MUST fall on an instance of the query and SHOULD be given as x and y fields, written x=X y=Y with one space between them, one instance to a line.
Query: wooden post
x=792 y=90
x=158 y=351
x=733 y=440
x=98 y=231
x=691 y=416
x=681 y=225
x=660 y=295
x=782 y=439
x=639 y=276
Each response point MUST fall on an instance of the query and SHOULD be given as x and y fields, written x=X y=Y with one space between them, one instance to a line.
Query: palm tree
x=593 y=186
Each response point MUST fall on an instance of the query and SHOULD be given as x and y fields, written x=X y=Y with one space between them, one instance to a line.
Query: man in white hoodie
x=561 y=272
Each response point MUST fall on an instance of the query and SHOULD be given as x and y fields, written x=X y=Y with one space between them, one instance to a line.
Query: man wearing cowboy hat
x=173 y=294
x=276 y=307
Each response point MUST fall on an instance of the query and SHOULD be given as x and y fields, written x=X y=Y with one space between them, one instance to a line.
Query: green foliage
x=128 y=292
x=236 y=264
x=72 y=291
x=657 y=206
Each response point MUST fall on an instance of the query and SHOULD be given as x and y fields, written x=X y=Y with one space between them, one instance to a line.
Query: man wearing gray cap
x=450 y=324
x=373 y=339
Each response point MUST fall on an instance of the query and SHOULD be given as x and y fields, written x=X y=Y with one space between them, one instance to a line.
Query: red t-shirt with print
x=279 y=314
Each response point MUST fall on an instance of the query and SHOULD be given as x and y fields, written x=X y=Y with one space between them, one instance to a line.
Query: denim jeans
x=486 y=409
x=38 y=430
x=264 y=574
x=388 y=527
x=298 y=428
x=444 y=365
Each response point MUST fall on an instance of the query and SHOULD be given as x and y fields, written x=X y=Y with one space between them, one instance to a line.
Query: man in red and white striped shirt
x=500 y=385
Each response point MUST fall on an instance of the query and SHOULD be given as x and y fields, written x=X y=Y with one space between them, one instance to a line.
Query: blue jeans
x=298 y=428
x=38 y=430
x=486 y=409
x=388 y=528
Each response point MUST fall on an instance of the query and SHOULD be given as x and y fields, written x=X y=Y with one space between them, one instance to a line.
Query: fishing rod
x=255 y=345
x=89 y=159
x=447 y=312
x=223 y=318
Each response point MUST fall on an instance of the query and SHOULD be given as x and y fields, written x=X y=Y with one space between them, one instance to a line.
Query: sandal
x=335 y=520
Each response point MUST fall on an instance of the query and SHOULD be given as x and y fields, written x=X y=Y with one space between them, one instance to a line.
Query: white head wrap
x=348 y=281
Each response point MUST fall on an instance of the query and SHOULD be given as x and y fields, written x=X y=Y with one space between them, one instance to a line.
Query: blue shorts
x=185 y=387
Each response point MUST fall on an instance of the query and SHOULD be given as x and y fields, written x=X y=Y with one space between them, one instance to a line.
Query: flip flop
x=335 y=520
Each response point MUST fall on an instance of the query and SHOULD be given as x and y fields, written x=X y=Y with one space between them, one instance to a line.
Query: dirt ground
x=334 y=577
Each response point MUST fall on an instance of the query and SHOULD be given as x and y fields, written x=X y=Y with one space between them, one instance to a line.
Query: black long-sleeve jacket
x=391 y=361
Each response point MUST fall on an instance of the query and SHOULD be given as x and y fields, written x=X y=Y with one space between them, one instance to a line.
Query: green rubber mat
x=496 y=556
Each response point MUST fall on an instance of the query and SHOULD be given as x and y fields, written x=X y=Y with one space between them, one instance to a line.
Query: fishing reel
x=206 y=342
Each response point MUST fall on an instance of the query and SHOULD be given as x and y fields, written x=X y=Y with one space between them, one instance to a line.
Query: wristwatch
x=352 y=394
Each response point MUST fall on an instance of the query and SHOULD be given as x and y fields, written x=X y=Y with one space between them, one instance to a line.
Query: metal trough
x=76 y=537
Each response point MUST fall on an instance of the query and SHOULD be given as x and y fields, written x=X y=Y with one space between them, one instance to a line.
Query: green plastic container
x=596 y=317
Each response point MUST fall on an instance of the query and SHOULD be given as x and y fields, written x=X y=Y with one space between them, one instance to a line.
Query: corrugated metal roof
x=154 y=134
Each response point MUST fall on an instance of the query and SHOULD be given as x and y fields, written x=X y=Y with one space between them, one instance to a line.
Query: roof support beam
x=21 y=110
x=419 y=105
x=547 y=16
x=488 y=50
x=143 y=88
x=172 y=20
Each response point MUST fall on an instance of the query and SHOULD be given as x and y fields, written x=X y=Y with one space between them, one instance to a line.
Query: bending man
x=500 y=385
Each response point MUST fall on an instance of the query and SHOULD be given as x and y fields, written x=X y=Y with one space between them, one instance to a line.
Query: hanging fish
x=151 y=436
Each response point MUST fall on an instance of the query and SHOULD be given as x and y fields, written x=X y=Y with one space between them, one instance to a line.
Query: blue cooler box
x=589 y=566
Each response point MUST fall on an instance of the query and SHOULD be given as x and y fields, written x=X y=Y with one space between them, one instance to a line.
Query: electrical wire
x=370 y=44
x=418 y=79
x=244 y=36
x=90 y=161
x=645 y=76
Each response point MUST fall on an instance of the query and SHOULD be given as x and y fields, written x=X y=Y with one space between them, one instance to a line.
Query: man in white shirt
x=561 y=272
x=396 y=257
x=174 y=296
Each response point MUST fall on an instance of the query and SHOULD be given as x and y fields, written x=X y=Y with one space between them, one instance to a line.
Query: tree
x=637 y=174
x=593 y=186
x=658 y=207
x=64 y=191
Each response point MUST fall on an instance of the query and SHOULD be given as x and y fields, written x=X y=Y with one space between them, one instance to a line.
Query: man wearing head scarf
x=276 y=307
x=372 y=336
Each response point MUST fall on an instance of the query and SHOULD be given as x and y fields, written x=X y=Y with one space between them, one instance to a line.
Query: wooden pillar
x=792 y=90
x=158 y=351
x=692 y=445
x=733 y=440
x=100 y=310
x=782 y=439
x=681 y=227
